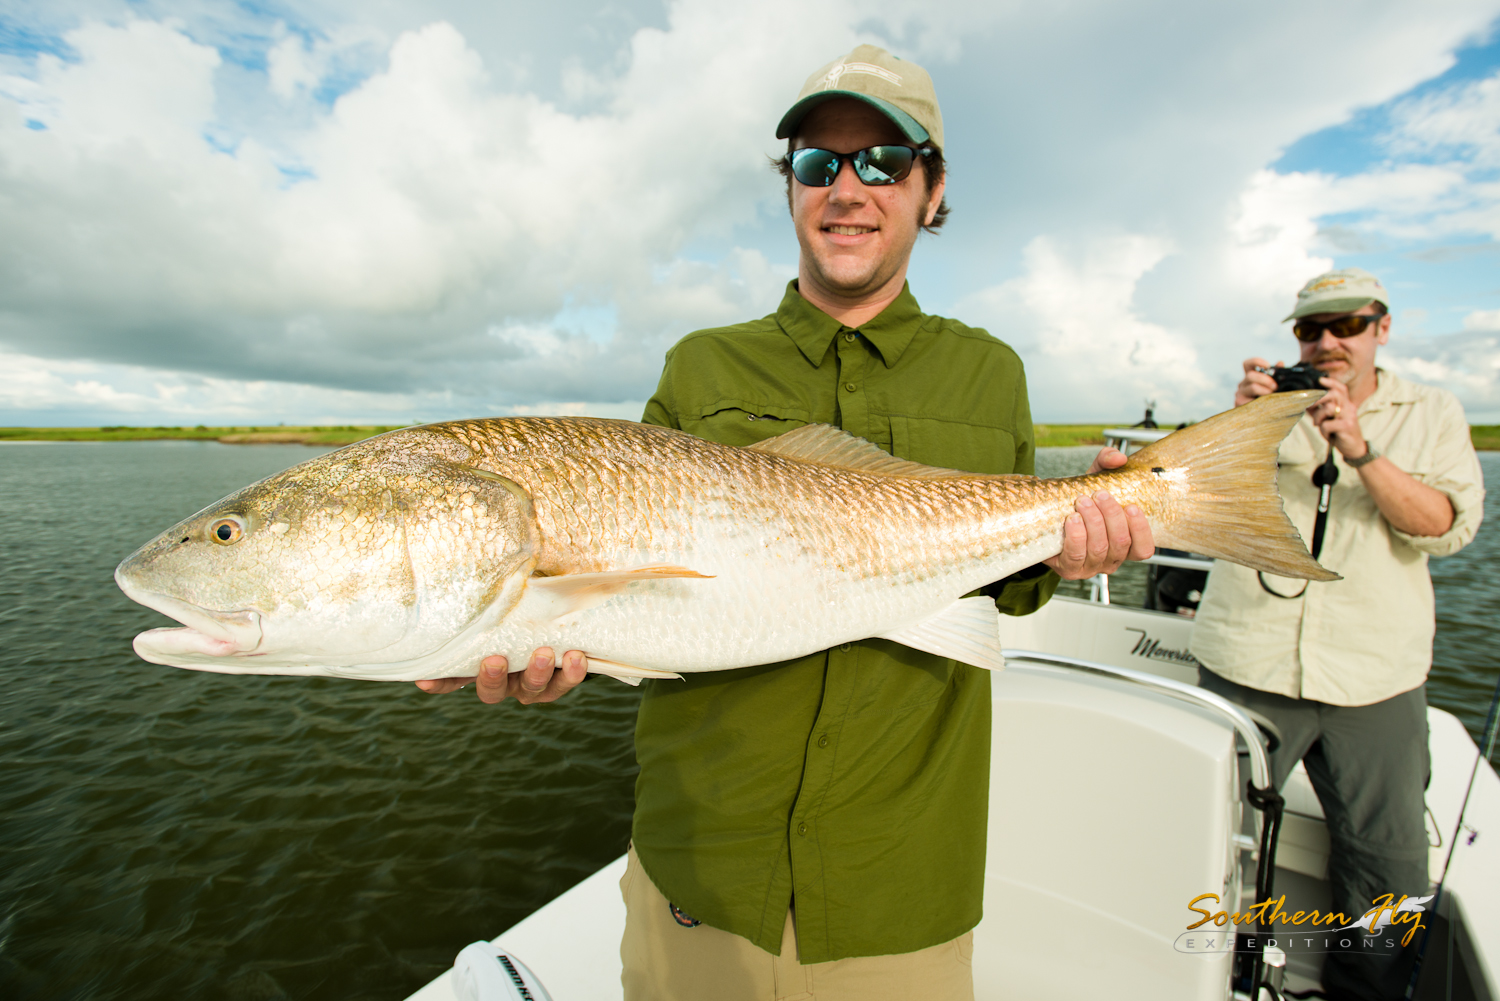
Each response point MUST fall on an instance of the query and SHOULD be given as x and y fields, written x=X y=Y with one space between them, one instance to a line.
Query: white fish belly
x=757 y=608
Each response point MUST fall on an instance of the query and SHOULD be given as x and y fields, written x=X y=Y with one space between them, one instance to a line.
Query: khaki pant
x=666 y=961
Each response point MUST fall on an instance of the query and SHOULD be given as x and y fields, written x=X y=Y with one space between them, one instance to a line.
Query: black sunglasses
x=817 y=168
x=1344 y=326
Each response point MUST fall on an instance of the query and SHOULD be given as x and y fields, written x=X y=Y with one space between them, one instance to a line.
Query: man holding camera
x=1340 y=668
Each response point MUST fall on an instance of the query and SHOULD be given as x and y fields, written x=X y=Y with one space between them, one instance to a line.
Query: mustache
x=1323 y=356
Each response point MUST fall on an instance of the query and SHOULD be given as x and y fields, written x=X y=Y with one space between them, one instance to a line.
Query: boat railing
x=1260 y=759
x=1099 y=583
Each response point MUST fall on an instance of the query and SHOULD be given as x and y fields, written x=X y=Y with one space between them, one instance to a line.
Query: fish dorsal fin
x=829 y=446
x=967 y=630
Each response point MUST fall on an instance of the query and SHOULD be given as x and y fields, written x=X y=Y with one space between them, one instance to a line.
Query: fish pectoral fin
x=627 y=673
x=575 y=592
x=967 y=630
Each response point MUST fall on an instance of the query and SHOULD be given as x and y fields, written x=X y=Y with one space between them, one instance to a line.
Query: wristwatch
x=1364 y=460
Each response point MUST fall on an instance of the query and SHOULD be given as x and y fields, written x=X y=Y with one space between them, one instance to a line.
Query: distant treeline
x=320 y=435
x=1486 y=436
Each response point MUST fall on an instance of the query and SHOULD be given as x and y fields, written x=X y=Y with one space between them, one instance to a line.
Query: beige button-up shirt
x=1368 y=637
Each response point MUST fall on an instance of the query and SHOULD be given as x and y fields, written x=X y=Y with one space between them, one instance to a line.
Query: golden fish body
x=415 y=554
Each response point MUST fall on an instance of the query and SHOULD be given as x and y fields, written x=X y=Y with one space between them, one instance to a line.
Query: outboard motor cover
x=483 y=971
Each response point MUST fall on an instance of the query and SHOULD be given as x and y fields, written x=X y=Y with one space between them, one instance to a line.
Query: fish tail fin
x=1230 y=508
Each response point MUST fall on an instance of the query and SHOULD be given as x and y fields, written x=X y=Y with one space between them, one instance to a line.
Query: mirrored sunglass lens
x=1344 y=326
x=815 y=167
x=883 y=164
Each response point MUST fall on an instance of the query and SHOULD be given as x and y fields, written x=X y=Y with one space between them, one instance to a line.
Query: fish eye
x=226 y=531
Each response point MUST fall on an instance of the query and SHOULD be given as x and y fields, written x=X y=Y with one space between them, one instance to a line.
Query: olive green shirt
x=854 y=781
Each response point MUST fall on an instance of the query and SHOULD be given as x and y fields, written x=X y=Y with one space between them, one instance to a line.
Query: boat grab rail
x=1181 y=562
x=1260 y=760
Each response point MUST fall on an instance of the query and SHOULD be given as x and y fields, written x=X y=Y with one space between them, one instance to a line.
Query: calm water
x=171 y=833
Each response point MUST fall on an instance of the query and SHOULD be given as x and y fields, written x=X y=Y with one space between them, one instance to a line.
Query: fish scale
x=415 y=554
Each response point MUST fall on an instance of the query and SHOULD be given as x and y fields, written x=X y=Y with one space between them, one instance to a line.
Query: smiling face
x=1350 y=360
x=856 y=239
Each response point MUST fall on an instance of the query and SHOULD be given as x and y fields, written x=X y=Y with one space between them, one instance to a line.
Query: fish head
x=373 y=555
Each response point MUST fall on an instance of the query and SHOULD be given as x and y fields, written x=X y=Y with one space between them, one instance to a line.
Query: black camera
x=1299 y=376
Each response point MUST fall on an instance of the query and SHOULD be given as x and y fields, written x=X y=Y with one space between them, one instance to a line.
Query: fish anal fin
x=628 y=673
x=967 y=630
x=829 y=446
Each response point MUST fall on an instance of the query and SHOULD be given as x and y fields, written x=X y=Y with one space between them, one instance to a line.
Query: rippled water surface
x=169 y=833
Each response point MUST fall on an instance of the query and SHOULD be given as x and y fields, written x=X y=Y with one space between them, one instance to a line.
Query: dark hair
x=933 y=170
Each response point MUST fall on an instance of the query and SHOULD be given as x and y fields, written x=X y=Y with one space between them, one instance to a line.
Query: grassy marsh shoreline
x=1485 y=436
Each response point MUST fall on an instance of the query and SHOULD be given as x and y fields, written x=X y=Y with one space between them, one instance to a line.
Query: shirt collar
x=1390 y=391
x=812 y=330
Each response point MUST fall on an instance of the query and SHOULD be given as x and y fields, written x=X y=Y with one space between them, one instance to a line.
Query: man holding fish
x=816 y=827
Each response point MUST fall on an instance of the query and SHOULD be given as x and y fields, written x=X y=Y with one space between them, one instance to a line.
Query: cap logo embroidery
x=831 y=78
x=1325 y=283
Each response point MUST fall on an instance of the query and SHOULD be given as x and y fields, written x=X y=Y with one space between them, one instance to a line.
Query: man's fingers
x=570 y=672
x=532 y=683
x=1097 y=544
x=575 y=667
x=1142 y=543
x=442 y=686
x=1116 y=531
x=493 y=683
x=1069 y=562
x=1108 y=458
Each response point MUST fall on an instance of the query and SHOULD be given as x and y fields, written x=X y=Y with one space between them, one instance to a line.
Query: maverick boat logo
x=1151 y=649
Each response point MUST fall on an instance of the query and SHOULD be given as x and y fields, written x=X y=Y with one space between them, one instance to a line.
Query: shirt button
x=849 y=337
x=846 y=647
x=849 y=386
x=823 y=740
x=801 y=828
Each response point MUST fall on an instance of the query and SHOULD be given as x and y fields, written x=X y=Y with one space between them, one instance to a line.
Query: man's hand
x=542 y=681
x=1254 y=383
x=1100 y=534
x=1337 y=419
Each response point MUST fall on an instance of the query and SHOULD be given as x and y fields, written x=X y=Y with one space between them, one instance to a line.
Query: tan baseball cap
x=901 y=90
x=1341 y=291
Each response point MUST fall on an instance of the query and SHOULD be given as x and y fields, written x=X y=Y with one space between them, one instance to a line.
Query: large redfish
x=416 y=553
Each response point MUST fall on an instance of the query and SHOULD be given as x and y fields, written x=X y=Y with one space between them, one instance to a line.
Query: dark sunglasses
x=1344 y=326
x=817 y=168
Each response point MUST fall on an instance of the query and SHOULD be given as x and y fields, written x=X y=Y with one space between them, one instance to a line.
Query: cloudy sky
x=336 y=212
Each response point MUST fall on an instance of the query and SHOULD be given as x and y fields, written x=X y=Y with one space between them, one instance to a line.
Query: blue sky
x=335 y=212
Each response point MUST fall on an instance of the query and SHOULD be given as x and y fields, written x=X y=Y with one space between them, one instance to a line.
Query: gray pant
x=1369 y=766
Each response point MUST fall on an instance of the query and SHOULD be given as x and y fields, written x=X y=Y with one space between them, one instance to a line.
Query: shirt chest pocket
x=973 y=448
x=743 y=422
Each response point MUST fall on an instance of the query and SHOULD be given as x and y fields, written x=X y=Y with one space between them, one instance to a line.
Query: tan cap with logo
x=1341 y=291
x=901 y=90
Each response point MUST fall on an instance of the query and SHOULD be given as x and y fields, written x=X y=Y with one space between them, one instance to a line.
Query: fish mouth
x=205 y=633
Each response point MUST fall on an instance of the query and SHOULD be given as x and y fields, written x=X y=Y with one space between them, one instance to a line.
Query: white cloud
x=1073 y=317
x=80 y=393
x=1483 y=319
x=1462 y=121
x=442 y=230
x=1467 y=364
x=426 y=209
